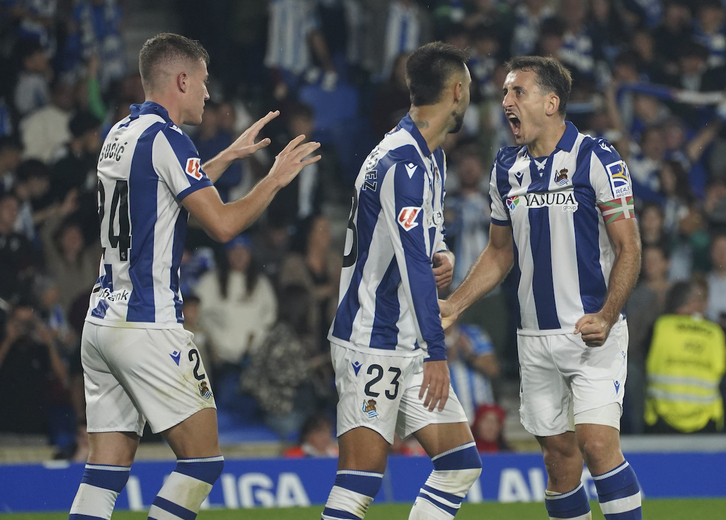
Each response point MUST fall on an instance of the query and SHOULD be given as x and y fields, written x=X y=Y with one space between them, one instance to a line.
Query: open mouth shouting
x=515 y=124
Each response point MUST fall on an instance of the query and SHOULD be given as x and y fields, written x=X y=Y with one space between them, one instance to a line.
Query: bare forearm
x=215 y=167
x=623 y=277
x=240 y=214
x=484 y=275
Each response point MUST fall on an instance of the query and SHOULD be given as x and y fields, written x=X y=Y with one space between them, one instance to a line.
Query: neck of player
x=546 y=142
x=433 y=123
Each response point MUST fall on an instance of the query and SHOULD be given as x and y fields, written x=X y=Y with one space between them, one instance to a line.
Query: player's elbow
x=220 y=231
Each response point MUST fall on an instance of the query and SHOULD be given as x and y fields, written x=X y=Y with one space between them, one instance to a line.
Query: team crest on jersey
x=561 y=177
x=407 y=217
x=512 y=202
x=369 y=408
x=619 y=179
x=204 y=390
x=194 y=168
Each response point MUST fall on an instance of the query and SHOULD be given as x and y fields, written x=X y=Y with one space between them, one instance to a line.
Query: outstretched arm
x=222 y=221
x=485 y=274
x=244 y=146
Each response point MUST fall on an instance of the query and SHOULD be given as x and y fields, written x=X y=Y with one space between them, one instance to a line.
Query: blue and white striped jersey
x=558 y=207
x=387 y=298
x=146 y=167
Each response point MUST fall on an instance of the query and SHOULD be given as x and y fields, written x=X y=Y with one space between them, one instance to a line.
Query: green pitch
x=652 y=510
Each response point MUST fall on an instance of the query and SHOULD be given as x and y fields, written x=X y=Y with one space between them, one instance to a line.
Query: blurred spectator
x=484 y=60
x=294 y=37
x=36 y=20
x=716 y=309
x=96 y=31
x=33 y=190
x=685 y=365
x=195 y=262
x=674 y=32
x=392 y=100
x=488 y=429
x=46 y=130
x=472 y=364
x=394 y=27
x=645 y=165
x=16 y=254
x=72 y=263
x=315 y=266
x=467 y=214
x=238 y=307
x=28 y=362
x=75 y=166
x=317 y=184
x=272 y=244
x=316 y=439
x=32 y=89
x=211 y=138
x=10 y=156
x=710 y=31
x=529 y=16
x=282 y=365
x=678 y=198
x=643 y=308
x=577 y=46
x=607 y=29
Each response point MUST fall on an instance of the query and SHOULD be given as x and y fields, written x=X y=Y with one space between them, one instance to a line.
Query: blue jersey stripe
x=542 y=285
x=180 y=233
x=593 y=286
x=385 y=329
x=143 y=185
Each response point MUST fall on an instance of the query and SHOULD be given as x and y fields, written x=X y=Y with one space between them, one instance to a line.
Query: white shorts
x=563 y=381
x=137 y=375
x=381 y=393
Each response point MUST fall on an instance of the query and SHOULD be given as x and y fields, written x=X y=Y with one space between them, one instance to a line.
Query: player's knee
x=456 y=471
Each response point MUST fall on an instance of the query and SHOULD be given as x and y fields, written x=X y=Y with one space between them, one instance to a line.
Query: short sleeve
x=500 y=215
x=609 y=175
x=177 y=162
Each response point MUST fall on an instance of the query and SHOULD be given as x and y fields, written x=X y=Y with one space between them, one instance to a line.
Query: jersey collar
x=407 y=124
x=149 y=107
x=567 y=141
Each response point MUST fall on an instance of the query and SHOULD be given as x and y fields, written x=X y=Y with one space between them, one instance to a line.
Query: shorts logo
x=407 y=217
x=369 y=408
x=204 y=390
x=561 y=177
x=619 y=179
x=512 y=202
x=356 y=366
x=617 y=386
x=176 y=356
x=193 y=168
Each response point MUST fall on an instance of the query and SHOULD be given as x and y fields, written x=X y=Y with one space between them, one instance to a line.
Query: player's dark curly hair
x=166 y=47
x=428 y=69
x=552 y=76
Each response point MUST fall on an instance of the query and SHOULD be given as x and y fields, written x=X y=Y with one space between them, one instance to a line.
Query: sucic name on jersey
x=112 y=151
x=564 y=200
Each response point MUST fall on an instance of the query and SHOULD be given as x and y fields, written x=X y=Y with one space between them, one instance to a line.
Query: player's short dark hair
x=166 y=47
x=551 y=76
x=429 y=68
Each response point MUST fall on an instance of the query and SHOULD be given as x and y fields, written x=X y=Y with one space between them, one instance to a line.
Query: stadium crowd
x=648 y=75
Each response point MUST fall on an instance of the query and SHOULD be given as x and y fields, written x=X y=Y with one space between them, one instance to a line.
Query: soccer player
x=562 y=207
x=387 y=343
x=139 y=363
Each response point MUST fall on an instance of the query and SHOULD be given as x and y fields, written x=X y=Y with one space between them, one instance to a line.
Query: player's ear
x=552 y=105
x=182 y=81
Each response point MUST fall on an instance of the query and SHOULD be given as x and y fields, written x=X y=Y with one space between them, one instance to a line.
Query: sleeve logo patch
x=194 y=168
x=619 y=179
x=407 y=217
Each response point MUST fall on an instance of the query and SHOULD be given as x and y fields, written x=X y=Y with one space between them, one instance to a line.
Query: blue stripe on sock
x=446 y=496
x=105 y=479
x=76 y=516
x=451 y=510
x=367 y=485
x=466 y=458
x=568 y=507
x=206 y=471
x=622 y=484
x=174 y=509
x=337 y=513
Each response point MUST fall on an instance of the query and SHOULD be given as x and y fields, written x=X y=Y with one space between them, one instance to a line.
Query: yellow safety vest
x=685 y=365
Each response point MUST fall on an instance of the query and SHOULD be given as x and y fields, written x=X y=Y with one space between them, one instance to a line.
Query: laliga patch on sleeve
x=619 y=179
x=407 y=217
x=194 y=168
